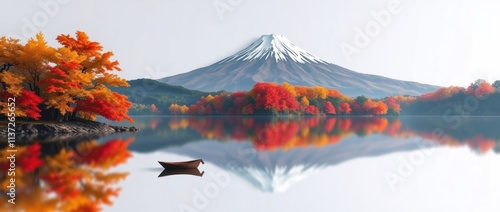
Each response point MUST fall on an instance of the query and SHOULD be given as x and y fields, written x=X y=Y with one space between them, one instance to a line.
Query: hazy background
x=441 y=43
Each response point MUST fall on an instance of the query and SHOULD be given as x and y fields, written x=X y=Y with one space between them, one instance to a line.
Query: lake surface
x=278 y=164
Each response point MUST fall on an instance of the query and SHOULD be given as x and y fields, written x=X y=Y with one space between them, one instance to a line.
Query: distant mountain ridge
x=147 y=91
x=274 y=58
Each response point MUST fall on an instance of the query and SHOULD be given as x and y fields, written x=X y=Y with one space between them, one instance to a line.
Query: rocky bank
x=70 y=129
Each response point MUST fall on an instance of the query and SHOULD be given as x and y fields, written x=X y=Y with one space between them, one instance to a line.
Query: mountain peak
x=274 y=46
x=274 y=58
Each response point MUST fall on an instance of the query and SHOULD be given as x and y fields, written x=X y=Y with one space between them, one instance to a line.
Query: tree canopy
x=72 y=80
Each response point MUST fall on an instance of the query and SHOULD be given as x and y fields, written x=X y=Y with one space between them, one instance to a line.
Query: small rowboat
x=182 y=165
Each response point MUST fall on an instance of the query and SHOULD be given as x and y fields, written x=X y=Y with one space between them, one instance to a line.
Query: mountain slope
x=273 y=58
x=148 y=91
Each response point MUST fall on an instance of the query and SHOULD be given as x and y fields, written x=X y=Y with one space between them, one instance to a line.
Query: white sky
x=436 y=42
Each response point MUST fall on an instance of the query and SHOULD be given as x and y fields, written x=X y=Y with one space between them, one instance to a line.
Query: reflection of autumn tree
x=268 y=134
x=477 y=143
x=73 y=179
x=275 y=134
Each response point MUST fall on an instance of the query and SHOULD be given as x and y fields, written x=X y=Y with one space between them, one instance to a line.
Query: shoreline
x=64 y=130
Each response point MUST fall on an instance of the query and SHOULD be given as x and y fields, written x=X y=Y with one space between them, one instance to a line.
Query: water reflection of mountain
x=274 y=171
x=273 y=153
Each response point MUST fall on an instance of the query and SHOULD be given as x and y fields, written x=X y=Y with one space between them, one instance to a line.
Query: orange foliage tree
x=61 y=83
x=286 y=99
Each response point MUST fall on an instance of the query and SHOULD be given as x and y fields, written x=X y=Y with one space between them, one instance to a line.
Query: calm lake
x=284 y=164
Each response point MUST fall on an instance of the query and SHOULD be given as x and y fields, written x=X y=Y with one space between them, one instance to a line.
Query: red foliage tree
x=28 y=102
x=329 y=108
x=480 y=90
x=393 y=105
x=154 y=109
x=441 y=93
x=379 y=109
x=311 y=110
x=219 y=104
x=248 y=110
x=209 y=110
x=240 y=100
x=269 y=95
x=345 y=108
x=113 y=108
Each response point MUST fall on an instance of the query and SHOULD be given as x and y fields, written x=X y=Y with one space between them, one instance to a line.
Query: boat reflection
x=190 y=171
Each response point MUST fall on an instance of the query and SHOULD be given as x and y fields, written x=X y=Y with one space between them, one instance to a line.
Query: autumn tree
x=174 y=109
x=289 y=88
x=311 y=110
x=285 y=99
x=154 y=109
x=345 y=108
x=63 y=87
x=99 y=67
x=269 y=95
x=329 y=108
x=480 y=88
x=21 y=68
x=441 y=93
x=33 y=60
x=66 y=82
x=304 y=101
x=393 y=106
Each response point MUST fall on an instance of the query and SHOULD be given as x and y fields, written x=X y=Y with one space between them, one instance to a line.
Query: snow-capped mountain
x=276 y=47
x=274 y=58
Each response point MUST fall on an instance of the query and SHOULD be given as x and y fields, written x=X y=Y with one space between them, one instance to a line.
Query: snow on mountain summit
x=274 y=58
x=275 y=46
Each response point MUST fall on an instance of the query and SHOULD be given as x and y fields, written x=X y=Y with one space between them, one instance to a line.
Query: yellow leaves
x=290 y=88
x=311 y=93
x=61 y=102
x=13 y=81
x=69 y=55
x=9 y=51
x=60 y=161
x=110 y=178
x=111 y=80
x=304 y=101
x=210 y=98
x=36 y=55
x=176 y=109
x=321 y=92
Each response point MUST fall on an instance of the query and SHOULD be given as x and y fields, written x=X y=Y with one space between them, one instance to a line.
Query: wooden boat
x=168 y=172
x=182 y=165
